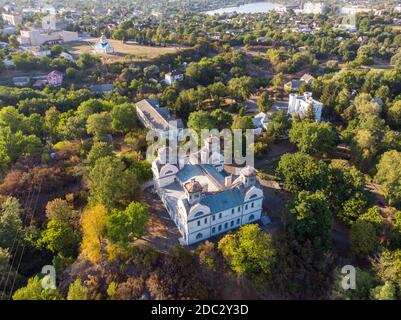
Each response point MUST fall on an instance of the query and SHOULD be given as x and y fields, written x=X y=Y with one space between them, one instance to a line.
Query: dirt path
x=162 y=233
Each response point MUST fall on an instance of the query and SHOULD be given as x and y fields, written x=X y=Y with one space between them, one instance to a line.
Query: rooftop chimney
x=228 y=180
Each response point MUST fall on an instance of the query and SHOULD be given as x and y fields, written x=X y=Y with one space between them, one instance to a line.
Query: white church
x=103 y=46
x=202 y=198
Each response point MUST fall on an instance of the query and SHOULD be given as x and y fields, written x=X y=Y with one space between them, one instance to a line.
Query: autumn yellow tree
x=94 y=220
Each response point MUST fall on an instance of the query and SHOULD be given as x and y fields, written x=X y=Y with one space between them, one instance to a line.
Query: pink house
x=55 y=78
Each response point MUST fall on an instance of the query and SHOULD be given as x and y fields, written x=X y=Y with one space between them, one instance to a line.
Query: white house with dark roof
x=202 y=198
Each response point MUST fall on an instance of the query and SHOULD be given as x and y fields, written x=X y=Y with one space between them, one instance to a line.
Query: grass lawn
x=123 y=51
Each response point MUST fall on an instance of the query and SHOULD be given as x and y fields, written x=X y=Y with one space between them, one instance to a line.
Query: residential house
x=301 y=104
x=293 y=85
x=55 y=78
x=67 y=56
x=260 y=122
x=307 y=78
x=21 y=81
x=173 y=76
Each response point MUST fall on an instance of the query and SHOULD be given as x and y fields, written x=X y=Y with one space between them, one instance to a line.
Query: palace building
x=201 y=197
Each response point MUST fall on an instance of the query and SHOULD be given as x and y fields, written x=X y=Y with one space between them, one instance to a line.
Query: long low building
x=155 y=117
x=37 y=38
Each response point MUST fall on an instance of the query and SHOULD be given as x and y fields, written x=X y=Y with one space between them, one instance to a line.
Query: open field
x=123 y=51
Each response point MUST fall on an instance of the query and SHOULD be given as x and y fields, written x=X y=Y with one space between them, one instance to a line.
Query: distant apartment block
x=12 y=18
x=300 y=104
x=314 y=8
x=155 y=117
x=37 y=38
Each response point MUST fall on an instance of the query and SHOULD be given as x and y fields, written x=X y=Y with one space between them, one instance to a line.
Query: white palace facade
x=202 y=198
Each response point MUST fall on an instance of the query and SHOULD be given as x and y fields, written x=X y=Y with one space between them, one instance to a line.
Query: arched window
x=199 y=236
x=251 y=217
x=198 y=214
x=168 y=172
x=253 y=196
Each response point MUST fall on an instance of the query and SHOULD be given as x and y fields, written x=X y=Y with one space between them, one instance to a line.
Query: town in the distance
x=200 y=149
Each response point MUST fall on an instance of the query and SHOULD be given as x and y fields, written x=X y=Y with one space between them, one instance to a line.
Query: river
x=256 y=7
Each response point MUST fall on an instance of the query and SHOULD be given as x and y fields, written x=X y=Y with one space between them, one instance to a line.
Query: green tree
x=363 y=286
x=99 y=125
x=87 y=61
x=313 y=138
x=242 y=123
x=280 y=123
x=199 y=120
x=125 y=226
x=217 y=90
x=300 y=171
x=77 y=291
x=99 y=150
x=222 y=119
x=354 y=207
x=394 y=114
x=312 y=219
x=264 y=102
x=111 y=184
x=123 y=118
x=92 y=106
x=344 y=182
x=35 y=291
x=389 y=266
x=59 y=237
x=249 y=251
x=389 y=176
x=241 y=88
x=56 y=50
x=51 y=121
x=10 y=117
x=373 y=216
x=388 y=291
x=5 y=257
x=363 y=237
x=10 y=222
